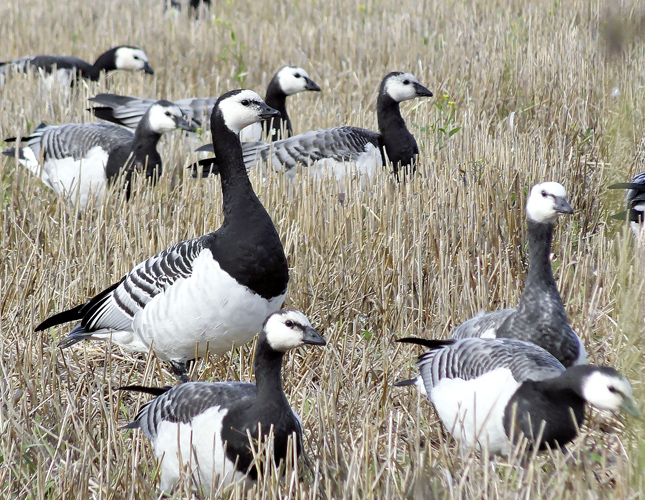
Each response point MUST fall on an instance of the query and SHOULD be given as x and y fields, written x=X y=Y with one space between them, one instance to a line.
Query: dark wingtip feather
x=60 y=318
x=155 y=391
x=403 y=383
x=429 y=343
x=131 y=425
x=207 y=166
x=628 y=185
x=104 y=114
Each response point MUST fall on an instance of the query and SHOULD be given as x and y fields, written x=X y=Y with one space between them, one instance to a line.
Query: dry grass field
x=523 y=93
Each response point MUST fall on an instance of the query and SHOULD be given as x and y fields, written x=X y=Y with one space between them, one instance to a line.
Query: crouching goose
x=204 y=294
x=205 y=427
x=540 y=317
x=333 y=148
x=490 y=392
x=289 y=80
x=81 y=158
x=635 y=202
x=70 y=69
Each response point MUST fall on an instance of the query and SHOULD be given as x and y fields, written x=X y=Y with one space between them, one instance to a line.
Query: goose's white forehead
x=292 y=71
x=282 y=318
x=398 y=80
x=131 y=53
x=552 y=188
x=236 y=115
x=282 y=337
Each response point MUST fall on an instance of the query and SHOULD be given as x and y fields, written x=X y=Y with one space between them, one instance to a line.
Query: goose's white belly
x=209 y=308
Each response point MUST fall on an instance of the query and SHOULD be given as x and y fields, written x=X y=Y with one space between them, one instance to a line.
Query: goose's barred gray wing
x=468 y=359
x=484 y=324
x=186 y=401
x=115 y=308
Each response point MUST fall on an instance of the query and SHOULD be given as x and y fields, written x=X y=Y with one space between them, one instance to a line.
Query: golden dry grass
x=552 y=91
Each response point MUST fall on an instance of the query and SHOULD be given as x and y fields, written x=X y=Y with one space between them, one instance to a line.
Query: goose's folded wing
x=482 y=325
x=120 y=109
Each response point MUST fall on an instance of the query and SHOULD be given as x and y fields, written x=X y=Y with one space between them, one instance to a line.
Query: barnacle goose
x=289 y=80
x=80 y=158
x=205 y=426
x=69 y=69
x=203 y=294
x=333 y=148
x=540 y=317
x=489 y=392
x=635 y=201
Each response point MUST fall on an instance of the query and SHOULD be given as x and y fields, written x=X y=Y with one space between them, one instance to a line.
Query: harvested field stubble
x=523 y=94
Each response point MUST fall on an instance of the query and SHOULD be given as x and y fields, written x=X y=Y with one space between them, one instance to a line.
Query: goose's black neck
x=268 y=372
x=397 y=141
x=540 y=274
x=144 y=149
x=105 y=62
x=237 y=191
x=277 y=99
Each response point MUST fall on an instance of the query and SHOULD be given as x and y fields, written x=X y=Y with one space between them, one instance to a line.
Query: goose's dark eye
x=246 y=102
x=289 y=323
x=168 y=113
x=136 y=58
x=544 y=193
x=406 y=82
x=297 y=75
x=612 y=389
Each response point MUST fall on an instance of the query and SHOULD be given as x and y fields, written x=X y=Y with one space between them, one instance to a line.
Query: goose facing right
x=205 y=294
x=489 y=392
x=79 y=159
x=540 y=316
x=335 y=147
x=207 y=425
x=70 y=69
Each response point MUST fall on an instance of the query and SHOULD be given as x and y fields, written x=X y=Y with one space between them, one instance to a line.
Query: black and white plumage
x=289 y=80
x=79 y=159
x=540 y=317
x=635 y=203
x=333 y=149
x=68 y=69
x=206 y=293
x=487 y=391
x=204 y=425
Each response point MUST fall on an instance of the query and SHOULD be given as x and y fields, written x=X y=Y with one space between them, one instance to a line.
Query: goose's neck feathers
x=277 y=99
x=144 y=148
x=396 y=140
x=388 y=114
x=268 y=373
x=540 y=278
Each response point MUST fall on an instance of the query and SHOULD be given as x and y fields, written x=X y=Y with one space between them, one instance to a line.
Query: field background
x=523 y=94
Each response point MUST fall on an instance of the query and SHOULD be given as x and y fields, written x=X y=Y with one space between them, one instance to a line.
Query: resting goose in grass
x=540 y=317
x=489 y=391
x=289 y=80
x=81 y=158
x=203 y=294
x=333 y=148
x=205 y=426
x=635 y=201
x=68 y=69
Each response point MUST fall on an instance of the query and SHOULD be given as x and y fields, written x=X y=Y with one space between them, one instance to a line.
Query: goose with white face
x=165 y=116
x=293 y=79
x=546 y=202
x=404 y=86
x=287 y=330
x=132 y=59
x=608 y=390
x=243 y=109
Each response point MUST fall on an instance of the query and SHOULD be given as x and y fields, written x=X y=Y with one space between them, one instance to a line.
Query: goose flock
x=508 y=376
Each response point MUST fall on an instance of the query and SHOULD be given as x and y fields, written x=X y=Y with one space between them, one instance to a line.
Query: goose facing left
x=206 y=426
x=79 y=159
x=69 y=69
x=203 y=294
x=490 y=392
x=634 y=201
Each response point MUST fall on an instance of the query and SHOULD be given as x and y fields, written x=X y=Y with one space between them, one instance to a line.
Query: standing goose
x=81 y=158
x=333 y=148
x=206 y=425
x=487 y=391
x=289 y=80
x=203 y=294
x=635 y=201
x=540 y=317
x=70 y=69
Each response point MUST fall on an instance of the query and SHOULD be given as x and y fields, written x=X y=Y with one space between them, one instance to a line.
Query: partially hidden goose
x=333 y=148
x=204 y=294
x=490 y=392
x=206 y=426
x=289 y=80
x=635 y=203
x=79 y=159
x=69 y=69
x=540 y=317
